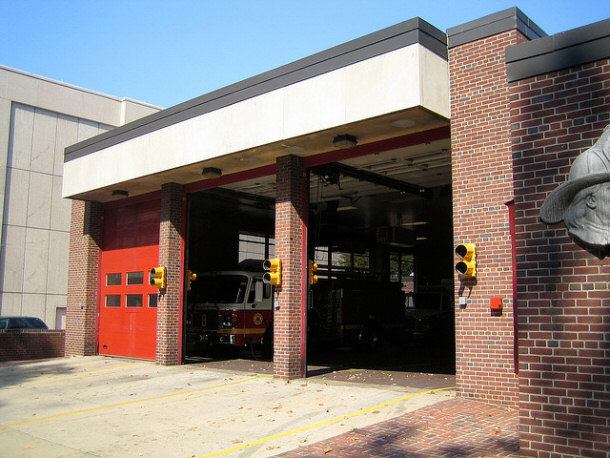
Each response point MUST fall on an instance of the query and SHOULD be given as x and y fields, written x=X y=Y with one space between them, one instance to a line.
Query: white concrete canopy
x=362 y=99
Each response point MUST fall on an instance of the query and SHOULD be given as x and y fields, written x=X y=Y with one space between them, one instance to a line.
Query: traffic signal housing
x=312 y=268
x=158 y=277
x=467 y=266
x=190 y=276
x=273 y=271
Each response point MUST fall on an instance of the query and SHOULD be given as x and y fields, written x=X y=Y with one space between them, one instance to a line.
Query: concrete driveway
x=99 y=406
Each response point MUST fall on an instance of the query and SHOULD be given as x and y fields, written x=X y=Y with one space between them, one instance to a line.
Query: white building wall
x=38 y=119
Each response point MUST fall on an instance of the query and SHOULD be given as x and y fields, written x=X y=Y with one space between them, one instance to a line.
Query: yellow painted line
x=136 y=401
x=322 y=423
x=17 y=374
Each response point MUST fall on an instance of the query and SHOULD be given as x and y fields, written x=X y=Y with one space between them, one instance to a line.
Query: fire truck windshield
x=222 y=289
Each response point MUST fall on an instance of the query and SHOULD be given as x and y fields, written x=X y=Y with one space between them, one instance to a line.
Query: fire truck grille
x=209 y=320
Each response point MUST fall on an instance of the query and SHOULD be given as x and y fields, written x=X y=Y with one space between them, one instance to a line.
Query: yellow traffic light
x=273 y=274
x=467 y=266
x=158 y=277
x=312 y=268
x=190 y=276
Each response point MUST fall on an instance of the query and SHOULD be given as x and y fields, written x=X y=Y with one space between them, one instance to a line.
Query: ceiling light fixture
x=415 y=223
x=248 y=159
x=345 y=141
x=120 y=193
x=346 y=208
x=211 y=172
x=403 y=123
x=294 y=149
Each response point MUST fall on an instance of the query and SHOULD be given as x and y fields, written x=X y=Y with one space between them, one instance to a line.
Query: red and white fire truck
x=230 y=308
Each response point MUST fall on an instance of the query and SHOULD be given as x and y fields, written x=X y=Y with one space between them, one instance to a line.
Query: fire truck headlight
x=230 y=320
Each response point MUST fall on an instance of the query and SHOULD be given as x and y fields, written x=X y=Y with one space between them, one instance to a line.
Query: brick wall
x=25 y=344
x=482 y=185
x=290 y=307
x=81 y=314
x=169 y=306
x=563 y=292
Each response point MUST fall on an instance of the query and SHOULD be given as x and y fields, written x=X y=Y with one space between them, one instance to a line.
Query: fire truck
x=230 y=308
x=235 y=308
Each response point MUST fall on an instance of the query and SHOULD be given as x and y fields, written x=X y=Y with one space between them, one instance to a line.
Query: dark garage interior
x=379 y=230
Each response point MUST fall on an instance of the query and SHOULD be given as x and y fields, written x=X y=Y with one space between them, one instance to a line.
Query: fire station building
x=375 y=159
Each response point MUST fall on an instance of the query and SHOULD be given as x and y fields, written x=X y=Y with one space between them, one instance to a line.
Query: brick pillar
x=482 y=185
x=169 y=305
x=290 y=237
x=81 y=315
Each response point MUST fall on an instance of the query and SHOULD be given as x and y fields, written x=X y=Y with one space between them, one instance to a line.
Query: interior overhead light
x=248 y=159
x=403 y=123
x=345 y=141
x=294 y=149
x=415 y=223
x=120 y=193
x=146 y=185
x=421 y=238
x=211 y=172
x=346 y=208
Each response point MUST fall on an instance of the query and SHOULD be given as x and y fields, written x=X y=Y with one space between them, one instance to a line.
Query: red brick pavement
x=457 y=427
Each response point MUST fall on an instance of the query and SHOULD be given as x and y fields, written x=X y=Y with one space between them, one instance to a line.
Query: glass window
x=134 y=300
x=152 y=300
x=320 y=256
x=401 y=266
x=113 y=300
x=113 y=279
x=361 y=261
x=341 y=261
x=135 y=278
x=252 y=246
x=221 y=289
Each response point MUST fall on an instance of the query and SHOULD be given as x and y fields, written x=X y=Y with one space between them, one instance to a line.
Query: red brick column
x=563 y=291
x=290 y=236
x=482 y=185
x=169 y=305
x=81 y=314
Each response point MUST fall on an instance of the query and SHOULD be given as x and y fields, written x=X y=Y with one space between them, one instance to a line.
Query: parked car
x=21 y=322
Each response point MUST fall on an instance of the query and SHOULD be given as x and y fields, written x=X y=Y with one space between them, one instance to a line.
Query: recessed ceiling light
x=294 y=149
x=403 y=123
x=248 y=159
x=415 y=223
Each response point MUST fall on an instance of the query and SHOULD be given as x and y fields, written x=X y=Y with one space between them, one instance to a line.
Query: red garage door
x=128 y=304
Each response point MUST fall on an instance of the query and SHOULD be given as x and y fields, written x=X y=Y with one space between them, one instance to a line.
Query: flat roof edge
x=566 y=49
x=72 y=86
x=493 y=24
x=413 y=31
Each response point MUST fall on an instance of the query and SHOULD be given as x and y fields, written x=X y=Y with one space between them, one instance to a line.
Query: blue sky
x=166 y=52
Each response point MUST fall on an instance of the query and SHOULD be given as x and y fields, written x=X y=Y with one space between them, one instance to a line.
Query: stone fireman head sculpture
x=583 y=201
